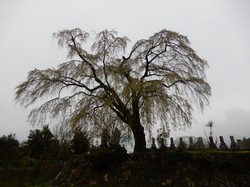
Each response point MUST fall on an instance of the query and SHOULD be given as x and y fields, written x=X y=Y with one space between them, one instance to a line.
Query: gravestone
x=162 y=143
x=172 y=146
x=233 y=143
x=211 y=143
x=104 y=138
x=153 y=146
x=239 y=142
x=223 y=145
x=182 y=144
x=199 y=143
x=116 y=137
x=191 y=143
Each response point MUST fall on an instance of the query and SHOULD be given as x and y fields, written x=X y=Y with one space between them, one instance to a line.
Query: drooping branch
x=172 y=84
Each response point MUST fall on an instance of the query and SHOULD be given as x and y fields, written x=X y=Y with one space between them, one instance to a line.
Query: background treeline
x=42 y=144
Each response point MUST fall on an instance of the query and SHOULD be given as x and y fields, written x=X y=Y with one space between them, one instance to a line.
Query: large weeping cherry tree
x=159 y=80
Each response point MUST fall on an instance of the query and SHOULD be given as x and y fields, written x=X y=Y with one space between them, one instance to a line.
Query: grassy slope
x=201 y=168
x=154 y=168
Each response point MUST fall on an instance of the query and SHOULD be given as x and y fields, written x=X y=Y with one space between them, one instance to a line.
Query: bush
x=80 y=143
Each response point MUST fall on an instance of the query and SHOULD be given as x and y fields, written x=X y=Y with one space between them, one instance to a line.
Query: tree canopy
x=158 y=80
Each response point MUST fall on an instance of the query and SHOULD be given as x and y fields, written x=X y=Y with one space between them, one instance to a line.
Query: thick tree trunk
x=139 y=137
x=135 y=125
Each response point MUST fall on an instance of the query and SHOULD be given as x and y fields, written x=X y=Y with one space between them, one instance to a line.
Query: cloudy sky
x=219 y=30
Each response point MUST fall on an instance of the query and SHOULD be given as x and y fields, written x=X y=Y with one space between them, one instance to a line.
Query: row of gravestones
x=199 y=144
x=112 y=143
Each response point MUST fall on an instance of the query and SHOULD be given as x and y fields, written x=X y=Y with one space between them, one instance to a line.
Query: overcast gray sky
x=219 y=30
